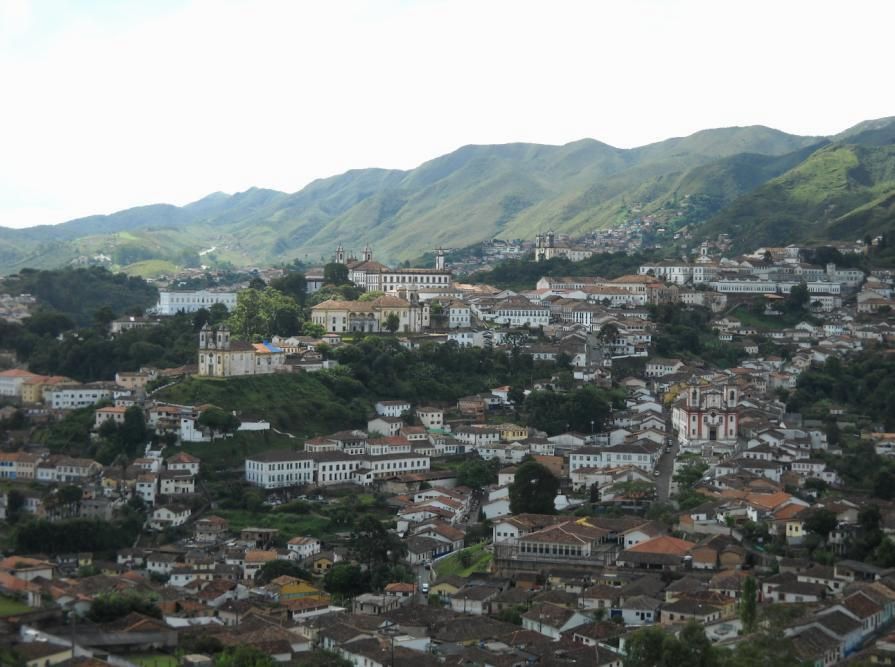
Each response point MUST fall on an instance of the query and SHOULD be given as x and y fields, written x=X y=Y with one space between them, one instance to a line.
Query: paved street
x=666 y=471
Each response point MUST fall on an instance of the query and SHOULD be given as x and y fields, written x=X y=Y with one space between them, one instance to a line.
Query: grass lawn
x=289 y=525
x=8 y=606
x=154 y=660
x=450 y=566
x=232 y=452
x=764 y=322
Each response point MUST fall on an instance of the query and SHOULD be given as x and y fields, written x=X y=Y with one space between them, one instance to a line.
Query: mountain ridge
x=473 y=193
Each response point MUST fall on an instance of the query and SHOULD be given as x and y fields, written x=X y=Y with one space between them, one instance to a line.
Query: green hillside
x=507 y=191
x=842 y=191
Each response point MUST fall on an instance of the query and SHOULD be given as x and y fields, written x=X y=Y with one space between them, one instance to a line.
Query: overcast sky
x=107 y=105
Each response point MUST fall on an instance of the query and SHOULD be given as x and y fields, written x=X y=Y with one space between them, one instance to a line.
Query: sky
x=108 y=105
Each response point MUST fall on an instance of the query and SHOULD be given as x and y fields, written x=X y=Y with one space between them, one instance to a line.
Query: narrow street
x=666 y=470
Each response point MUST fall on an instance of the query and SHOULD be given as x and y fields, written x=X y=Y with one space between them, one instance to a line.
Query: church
x=706 y=413
x=376 y=277
x=221 y=357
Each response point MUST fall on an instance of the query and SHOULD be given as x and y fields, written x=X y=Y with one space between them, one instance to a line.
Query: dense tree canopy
x=278 y=568
x=533 y=490
x=262 y=314
x=107 y=607
x=864 y=385
x=477 y=473
x=556 y=412
x=79 y=293
x=90 y=355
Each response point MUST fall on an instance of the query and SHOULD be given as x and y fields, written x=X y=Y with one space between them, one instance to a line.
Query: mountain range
x=760 y=185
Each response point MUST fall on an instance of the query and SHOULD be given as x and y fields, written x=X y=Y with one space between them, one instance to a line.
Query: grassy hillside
x=841 y=191
x=299 y=403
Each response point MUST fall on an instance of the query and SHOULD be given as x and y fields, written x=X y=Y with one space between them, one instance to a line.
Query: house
x=169 y=516
x=401 y=589
x=473 y=599
x=552 y=620
x=183 y=462
x=210 y=529
x=301 y=547
x=112 y=413
x=430 y=417
x=686 y=610
x=392 y=408
x=638 y=610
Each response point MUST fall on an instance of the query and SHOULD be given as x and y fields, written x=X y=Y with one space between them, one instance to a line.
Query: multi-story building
x=408 y=315
x=171 y=302
x=73 y=395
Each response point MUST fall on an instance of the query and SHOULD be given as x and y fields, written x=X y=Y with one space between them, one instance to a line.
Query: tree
x=834 y=437
x=257 y=283
x=218 y=421
x=108 y=607
x=533 y=490
x=293 y=285
x=798 y=298
x=103 y=318
x=884 y=485
x=335 y=274
x=15 y=505
x=821 y=523
x=264 y=314
x=749 y=605
x=516 y=395
x=372 y=295
x=279 y=568
x=345 y=580
x=392 y=322
x=243 y=656
x=373 y=545
x=133 y=433
x=477 y=473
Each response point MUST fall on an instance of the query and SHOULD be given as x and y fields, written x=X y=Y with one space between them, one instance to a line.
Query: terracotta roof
x=664 y=544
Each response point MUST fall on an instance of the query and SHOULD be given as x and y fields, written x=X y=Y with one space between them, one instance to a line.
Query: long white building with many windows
x=171 y=302
x=277 y=469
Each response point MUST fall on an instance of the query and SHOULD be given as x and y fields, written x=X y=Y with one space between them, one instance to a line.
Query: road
x=666 y=470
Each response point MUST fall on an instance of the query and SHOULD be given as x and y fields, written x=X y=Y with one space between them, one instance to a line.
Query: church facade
x=376 y=277
x=219 y=356
x=706 y=413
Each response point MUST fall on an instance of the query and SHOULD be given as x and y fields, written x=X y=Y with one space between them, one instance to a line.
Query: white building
x=278 y=468
x=74 y=396
x=301 y=547
x=392 y=408
x=171 y=302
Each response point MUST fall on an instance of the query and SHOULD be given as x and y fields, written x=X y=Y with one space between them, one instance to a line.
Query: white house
x=169 y=516
x=301 y=547
x=392 y=408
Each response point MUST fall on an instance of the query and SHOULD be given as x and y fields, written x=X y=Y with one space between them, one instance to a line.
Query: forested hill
x=79 y=294
x=475 y=193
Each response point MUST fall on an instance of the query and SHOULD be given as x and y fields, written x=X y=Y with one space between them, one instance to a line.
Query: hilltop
x=730 y=176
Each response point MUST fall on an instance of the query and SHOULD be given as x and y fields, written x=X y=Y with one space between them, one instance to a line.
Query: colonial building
x=372 y=316
x=373 y=276
x=547 y=247
x=706 y=413
x=221 y=357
